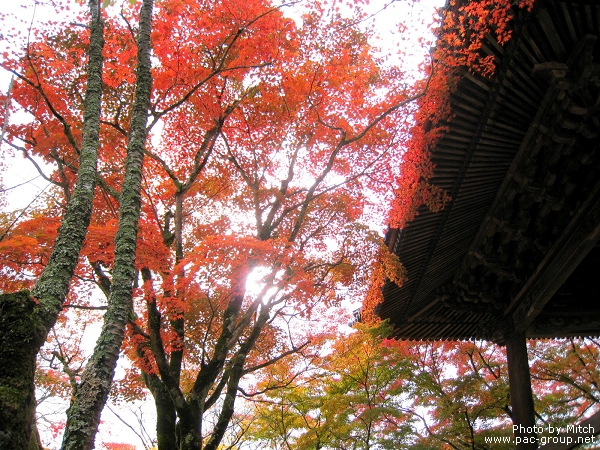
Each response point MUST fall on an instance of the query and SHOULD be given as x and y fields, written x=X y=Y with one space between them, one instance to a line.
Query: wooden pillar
x=521 y=397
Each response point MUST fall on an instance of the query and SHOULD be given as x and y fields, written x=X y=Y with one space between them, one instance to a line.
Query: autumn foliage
x=463 y=30
x=273 y=143
x=371 y=392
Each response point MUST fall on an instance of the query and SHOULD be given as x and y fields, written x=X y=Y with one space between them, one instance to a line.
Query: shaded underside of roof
x=521 y=163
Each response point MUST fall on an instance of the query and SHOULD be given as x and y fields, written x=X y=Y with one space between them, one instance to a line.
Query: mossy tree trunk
x=21 y=336
x=83 y=416
x=166 y=431
x=26 y=320
x=213 y=380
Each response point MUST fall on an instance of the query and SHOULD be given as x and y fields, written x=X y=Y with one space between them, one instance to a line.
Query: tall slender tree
x=83 y=416
x=26 y=320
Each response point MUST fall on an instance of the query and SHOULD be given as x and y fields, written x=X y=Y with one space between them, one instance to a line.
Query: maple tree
x=464 y=410
x=565 y=378
x=444 y=395
x=276 y=139
x=353 y=397
x=273 y=135
x=26 y=323
x=464 y=386
x=53 y=284
x=292 y=154
x=464 y=407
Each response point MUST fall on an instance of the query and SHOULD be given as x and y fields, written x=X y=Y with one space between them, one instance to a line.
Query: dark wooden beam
x=564 y=256
x=521 y=397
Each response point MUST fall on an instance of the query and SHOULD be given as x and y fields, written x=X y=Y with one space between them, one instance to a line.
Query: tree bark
x=21 y=336
x=83 y=416
x=24 y=333
x=165 y=414
x=235 y=375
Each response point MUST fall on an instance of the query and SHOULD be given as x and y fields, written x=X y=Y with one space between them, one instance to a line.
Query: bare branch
x=274 y=360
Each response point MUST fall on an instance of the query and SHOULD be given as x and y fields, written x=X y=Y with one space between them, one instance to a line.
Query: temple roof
x=517 y=246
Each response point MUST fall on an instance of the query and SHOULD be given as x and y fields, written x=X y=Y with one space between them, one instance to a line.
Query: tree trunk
x=21 y=336
x=189 y=427
x=83 y=416
x=26 y=322
x=166 y=436
x=235 y=375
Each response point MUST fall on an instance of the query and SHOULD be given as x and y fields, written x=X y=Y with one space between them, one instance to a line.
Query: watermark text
x=548 y=434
